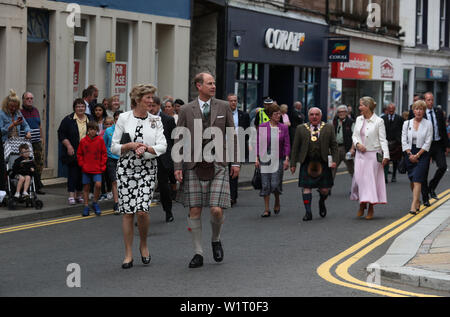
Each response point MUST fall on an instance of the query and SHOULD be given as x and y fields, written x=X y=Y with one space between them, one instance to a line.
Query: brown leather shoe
x=369 y=214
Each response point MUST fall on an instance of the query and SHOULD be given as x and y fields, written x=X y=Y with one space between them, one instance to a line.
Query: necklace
x=314 y=134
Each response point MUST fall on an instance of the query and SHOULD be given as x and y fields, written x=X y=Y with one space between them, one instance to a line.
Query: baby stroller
x=11 y=148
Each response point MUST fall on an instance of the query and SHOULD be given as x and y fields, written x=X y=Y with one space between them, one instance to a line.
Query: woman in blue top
x=11 y=119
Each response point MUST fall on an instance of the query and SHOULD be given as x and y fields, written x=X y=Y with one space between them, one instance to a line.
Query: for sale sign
x=121 y=82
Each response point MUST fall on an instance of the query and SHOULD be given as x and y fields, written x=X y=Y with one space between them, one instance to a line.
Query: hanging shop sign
x=76 y=76
x=338 y=50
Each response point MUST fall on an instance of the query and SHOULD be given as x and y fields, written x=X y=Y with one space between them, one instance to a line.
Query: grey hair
x=320 y=110
x=342 y=107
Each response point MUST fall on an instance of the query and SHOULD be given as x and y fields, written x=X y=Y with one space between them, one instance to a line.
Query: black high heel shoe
x=128 y=265
x=266 y=214
x=146 y=260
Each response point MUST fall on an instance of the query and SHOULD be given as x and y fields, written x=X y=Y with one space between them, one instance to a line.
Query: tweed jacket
x=190 y=116
x=302 y=140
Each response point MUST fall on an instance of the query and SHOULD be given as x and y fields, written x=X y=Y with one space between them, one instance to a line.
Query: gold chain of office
x=314 y=134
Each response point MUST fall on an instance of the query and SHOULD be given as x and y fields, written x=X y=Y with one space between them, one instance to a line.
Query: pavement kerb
x=392 y=265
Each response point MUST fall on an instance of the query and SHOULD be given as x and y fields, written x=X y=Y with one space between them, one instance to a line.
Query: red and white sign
x=121 y=82
x=368 y=67
x=76 y=76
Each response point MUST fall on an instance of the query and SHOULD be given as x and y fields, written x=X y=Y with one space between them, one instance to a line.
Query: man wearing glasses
x=31 y=115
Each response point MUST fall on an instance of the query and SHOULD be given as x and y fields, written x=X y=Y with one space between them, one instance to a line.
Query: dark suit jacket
x=243 y=119
x=168 y=125
x=328 y=144
x=394 y=128
x=444 y=142
x=220 y=116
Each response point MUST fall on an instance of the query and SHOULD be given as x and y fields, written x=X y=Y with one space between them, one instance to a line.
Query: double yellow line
x=355 y=253
x=55 y=221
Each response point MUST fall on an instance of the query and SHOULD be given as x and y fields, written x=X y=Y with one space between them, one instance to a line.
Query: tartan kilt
x=213 y=193
x=323 y=181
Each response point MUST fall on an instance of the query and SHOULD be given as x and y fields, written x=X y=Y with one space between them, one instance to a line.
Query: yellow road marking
x=342 y=269
x=55 y=221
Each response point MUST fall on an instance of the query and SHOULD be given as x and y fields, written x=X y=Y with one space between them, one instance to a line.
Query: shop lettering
x=284 y=40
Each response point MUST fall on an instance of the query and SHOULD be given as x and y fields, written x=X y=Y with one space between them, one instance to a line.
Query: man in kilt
x=314 y=142
x=205 y=183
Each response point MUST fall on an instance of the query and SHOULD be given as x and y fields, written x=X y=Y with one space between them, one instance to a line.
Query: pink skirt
x=368 y=184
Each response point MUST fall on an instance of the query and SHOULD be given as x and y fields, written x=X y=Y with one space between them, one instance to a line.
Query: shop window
x=81 y=58
x=308 y=87
x=421 y=21
x=444 y=38
x=122 y=66
x=248 y=84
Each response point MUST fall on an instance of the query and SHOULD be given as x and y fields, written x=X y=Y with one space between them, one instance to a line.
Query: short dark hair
x=117 y=113
x=157 y=100
x=23 y=146
x=179 y=102
x=78 y=101
x=92 y=125
x=89 y=91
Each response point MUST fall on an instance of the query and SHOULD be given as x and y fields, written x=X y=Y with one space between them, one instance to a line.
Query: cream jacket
x=424 y=135
x=153 y=133
x=375 y=135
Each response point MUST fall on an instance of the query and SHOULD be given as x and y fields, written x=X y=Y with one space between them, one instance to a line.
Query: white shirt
x=430 y=112
x=236 y=119
x=202 y=104
x=88 y=110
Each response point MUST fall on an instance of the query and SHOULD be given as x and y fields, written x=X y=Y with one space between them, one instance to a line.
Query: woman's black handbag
x=402 y=165
x=256 y=180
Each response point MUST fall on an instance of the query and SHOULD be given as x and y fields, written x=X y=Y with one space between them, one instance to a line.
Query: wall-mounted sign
x=338 y=51
x=120 y=82
x=110 y=57
x=433 y=73
x=76 y=76
x=284 y=40
x=368 y=67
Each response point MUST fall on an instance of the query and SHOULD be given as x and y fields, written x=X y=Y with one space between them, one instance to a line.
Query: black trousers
x=164 y=189
x=437 y=154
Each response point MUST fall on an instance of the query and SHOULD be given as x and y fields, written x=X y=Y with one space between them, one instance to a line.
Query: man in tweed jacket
x=212 y=192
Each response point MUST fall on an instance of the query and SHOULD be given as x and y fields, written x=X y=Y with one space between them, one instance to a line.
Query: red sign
x=360 y=66
x=121 y=74
x=76 y=72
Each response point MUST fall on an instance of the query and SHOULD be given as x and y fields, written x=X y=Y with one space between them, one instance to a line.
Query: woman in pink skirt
x=369 y=138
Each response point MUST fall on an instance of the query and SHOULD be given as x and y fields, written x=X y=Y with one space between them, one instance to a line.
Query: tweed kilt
x=323 y=181
x=213 y=193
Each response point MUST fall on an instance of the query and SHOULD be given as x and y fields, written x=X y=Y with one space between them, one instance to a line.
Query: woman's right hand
x=133 y=146
x=257 y=164
x=361 y=148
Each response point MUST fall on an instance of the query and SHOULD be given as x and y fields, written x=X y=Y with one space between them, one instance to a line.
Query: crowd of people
x=126 y=156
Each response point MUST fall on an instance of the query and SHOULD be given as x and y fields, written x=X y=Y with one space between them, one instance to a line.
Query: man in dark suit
x=165 y=163
x=205 y=183
x=393 y=124
x=241 y=119
x=296 y=117
x=439 y=147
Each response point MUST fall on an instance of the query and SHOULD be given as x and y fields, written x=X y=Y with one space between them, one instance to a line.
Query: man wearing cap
x=261 y=116
x=314 y=142
x=343 y=127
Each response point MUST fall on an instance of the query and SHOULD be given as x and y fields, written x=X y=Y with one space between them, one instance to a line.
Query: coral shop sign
x=284 y=40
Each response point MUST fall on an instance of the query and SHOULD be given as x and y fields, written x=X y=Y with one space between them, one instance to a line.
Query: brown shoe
x=360 y=213
x=369 y=214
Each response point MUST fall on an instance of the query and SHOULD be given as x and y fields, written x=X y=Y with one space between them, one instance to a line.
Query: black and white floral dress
x=136 y=178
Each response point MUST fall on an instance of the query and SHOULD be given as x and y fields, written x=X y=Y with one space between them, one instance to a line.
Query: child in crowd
x=111 y=164
x=106 y=182
x=23 y=170
x=92 y=157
